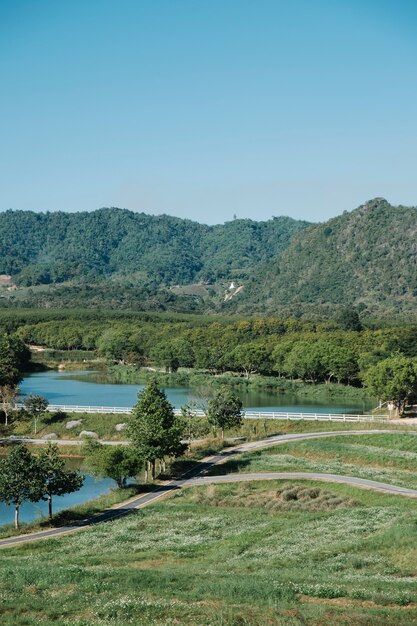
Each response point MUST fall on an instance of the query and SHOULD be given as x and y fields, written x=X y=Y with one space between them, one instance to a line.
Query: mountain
x=52 y=248
x=366 y=258
x=119 y=259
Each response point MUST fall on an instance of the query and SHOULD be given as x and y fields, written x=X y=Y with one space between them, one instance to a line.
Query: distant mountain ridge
x=45 y=248
x=366 y=258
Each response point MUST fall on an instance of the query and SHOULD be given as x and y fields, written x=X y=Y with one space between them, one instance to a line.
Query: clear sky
x=208 y=108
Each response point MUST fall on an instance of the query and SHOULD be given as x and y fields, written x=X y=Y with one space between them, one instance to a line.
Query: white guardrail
x=324 y=417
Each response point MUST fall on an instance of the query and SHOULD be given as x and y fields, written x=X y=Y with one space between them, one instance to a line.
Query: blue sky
x=208 y=108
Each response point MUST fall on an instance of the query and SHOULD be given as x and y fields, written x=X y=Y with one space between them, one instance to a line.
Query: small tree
x=8 y=394
x=35 y=406
x=116 y=462
x=57 y=480
x=225 y=410
x=20 y=479
x=154 y=429
x=393 y=380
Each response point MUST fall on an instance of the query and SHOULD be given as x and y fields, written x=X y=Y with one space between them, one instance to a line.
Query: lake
x=87 y=389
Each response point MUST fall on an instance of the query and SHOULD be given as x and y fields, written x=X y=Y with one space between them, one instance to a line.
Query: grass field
x=229 y=555
x=390 y=458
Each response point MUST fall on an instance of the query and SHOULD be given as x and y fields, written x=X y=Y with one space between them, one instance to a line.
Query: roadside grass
x=219 y=556
x=387 y=458
x=105 y=426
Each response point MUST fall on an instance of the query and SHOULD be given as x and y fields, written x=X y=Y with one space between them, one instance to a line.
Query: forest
x=340 y=351
x=51 y=248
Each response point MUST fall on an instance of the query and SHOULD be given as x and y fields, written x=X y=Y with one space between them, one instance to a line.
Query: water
x=85 y=389
x=31 y=511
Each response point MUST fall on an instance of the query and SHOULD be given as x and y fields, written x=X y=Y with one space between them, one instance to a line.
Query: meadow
x=385 y=457
x=230 y=555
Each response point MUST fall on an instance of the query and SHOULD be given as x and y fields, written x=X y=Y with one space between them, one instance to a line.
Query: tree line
x=339 y=351
x=28 y=477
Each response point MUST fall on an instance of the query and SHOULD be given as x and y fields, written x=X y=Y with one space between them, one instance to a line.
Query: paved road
x=198 y=476
x=334 y=478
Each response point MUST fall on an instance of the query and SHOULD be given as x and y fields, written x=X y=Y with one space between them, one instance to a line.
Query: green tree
x=13 y=357
x=339 y=362
x=34 y=407
x=251 y=358
x=154 y=429
x=164 y=354
x=116 y=462
x=348 y=319
x=225 y=410
x=393 y=380
x=20 y=479
x=57 y=480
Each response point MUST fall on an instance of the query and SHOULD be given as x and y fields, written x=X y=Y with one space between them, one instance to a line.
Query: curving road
x=197 y=476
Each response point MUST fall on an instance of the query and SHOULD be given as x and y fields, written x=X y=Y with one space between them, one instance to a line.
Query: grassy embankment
x=248 y=554
x=105 y=426
x=389 y=458
x=203 y=379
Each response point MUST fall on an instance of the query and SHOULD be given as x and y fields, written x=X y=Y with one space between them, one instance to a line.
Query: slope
x=366 y=258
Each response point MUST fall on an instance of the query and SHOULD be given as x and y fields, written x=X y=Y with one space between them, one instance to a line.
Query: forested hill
x=118 y=259
x=367 y=258
x=51 y=248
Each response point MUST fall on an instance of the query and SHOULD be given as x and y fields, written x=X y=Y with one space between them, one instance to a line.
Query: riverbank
x=73 y=360
x=196 y=379
x=104 y=425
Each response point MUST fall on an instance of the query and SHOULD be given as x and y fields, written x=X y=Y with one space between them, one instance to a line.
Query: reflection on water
x=94 y=389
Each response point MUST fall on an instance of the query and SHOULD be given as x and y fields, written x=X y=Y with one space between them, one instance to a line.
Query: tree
x=20 y=479
x=251 y=358
x=154 y=429
x=225 y=410
x=13 y=357
x=164 y=354
x=393 y=380
x=348 y=319
x=57 y=480
x=305 y=361
x=35 y=406
x=116 y=462
x=8 y=395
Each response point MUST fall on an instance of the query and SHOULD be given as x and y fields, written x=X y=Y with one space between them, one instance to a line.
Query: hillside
x=124 y=260
x=367 y=258
x=52 y=248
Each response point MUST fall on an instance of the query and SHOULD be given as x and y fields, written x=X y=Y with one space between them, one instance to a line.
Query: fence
x=324 y=417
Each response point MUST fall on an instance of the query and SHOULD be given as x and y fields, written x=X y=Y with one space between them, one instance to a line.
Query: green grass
x=104 y=426
x=390 y=458
x=219 y=556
